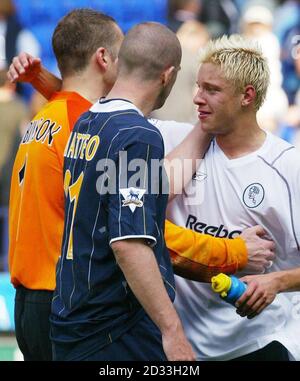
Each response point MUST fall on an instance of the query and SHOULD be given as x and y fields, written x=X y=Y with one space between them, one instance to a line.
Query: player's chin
x=207 y=127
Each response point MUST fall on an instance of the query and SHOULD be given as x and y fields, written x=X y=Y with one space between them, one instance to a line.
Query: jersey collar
x=111 y=105
x=243 y=159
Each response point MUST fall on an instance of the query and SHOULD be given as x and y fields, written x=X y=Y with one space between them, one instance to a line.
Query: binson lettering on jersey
x=215 y=231
x=82 y=146
x=41 y=131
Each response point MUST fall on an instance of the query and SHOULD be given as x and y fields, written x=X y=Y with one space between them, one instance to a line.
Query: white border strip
x=134 y=237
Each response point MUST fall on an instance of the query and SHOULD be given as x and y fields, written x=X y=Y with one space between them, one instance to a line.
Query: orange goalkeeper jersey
x=36 y=209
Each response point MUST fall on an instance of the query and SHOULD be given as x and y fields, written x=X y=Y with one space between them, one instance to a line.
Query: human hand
x=24 y=68
x=176 y=346
x=261 y=291
x=260 y=251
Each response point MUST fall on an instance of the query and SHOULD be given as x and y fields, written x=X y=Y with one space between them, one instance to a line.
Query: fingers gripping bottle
x=230 y=288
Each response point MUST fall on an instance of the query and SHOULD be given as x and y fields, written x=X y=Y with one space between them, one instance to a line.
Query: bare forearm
x=46 y=83
x=262 y=290
x=289 y=280
x=182 y=162
x=140 y=269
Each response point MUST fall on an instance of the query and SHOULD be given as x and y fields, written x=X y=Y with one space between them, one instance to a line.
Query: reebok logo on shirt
x=215 y=231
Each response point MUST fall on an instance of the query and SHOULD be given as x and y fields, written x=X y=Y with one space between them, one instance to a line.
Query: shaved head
x=147 y=50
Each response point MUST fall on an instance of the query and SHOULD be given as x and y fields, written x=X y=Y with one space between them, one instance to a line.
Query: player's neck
x=87 y=86
x=242 y=141
x=136 y=92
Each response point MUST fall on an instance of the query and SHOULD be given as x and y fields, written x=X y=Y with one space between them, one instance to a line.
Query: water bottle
x=230 y=287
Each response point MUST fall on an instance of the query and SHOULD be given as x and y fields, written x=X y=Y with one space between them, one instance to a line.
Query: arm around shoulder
x=26 y=68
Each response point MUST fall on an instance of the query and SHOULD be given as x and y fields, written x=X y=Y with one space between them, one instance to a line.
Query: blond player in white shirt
x=247 y=177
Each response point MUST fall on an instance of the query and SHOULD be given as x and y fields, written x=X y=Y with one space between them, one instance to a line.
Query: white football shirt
x=261 y=188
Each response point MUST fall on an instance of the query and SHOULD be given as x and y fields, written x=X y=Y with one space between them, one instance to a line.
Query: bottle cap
x=221 y=284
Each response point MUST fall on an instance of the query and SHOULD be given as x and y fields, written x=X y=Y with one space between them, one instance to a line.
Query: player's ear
x=167 y=75
x=102 y=57
x=248 y=96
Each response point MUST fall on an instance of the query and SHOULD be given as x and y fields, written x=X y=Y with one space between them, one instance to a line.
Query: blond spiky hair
x=241 y=61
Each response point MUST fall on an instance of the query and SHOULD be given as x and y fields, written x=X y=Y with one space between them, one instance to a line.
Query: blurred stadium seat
x=65 y=6
x=34 y=12
x=43 y=32
x=41 y=16
x=112 y=8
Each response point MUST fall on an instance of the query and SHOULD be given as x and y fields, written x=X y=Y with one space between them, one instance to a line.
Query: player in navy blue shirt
x=115 y=285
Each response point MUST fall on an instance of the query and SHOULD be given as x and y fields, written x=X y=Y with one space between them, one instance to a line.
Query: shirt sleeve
x=133 y=210
x=199 y=256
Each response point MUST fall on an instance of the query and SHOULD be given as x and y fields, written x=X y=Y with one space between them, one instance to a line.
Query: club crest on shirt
x=253 y=195
x=132 y=197
x=199 y=176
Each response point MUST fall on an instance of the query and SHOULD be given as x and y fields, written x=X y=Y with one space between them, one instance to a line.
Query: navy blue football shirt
x=115 y=189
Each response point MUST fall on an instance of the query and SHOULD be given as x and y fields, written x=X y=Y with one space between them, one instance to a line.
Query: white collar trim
x=111 y=105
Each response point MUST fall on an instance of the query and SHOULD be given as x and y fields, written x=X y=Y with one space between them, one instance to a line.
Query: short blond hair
x=241 y=61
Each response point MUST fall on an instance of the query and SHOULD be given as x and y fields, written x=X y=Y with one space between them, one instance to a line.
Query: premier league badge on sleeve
x=132 y=197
